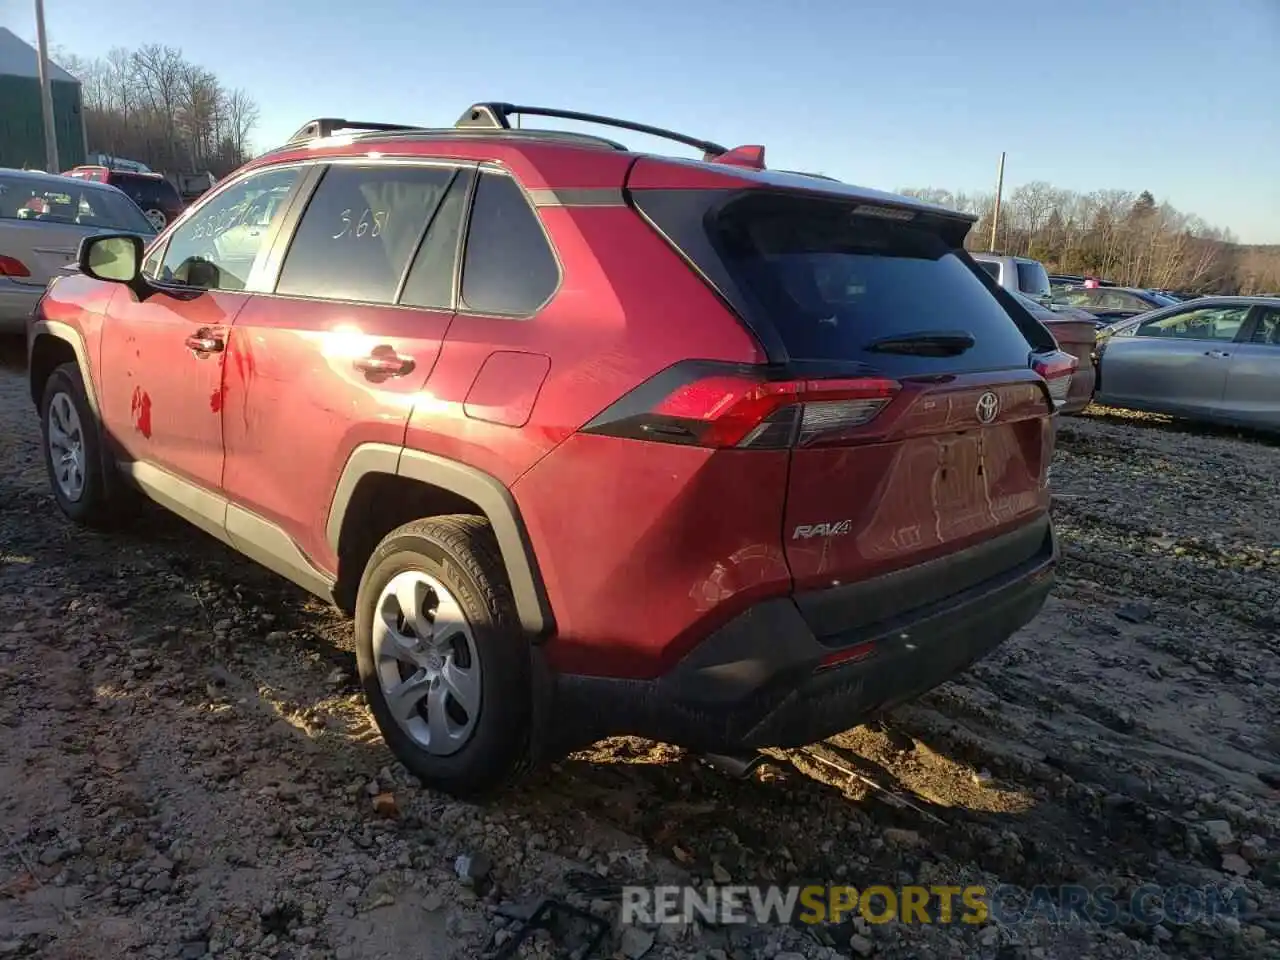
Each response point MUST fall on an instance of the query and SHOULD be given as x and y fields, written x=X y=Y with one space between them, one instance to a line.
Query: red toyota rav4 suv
x=587 y=441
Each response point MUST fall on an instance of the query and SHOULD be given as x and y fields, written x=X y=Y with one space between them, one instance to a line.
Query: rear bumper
x=761 y=680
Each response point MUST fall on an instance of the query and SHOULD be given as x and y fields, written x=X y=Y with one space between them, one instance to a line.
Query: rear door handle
x=205 y=341
x=383 y=361
x=1217 y=354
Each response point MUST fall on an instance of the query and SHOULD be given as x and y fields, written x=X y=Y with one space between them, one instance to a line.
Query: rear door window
x=833 y=283
x=360 y=230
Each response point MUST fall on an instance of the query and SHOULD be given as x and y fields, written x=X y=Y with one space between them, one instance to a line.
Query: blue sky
x=1179 y=97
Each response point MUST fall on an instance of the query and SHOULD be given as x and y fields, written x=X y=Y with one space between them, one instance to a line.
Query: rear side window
x=360 y=230
x=1033 y=279
x=992 y=268
x=833 y=283
x=509 y=267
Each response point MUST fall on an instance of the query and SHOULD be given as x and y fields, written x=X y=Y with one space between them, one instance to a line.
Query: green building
x=21 y=120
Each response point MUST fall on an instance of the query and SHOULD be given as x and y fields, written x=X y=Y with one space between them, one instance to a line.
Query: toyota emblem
x=988 y=407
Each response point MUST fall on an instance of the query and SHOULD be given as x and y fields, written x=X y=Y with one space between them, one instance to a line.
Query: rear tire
x=443 y=661
x=73 y=451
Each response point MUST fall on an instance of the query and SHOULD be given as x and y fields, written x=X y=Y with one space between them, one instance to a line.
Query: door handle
x=205 y=341
x=383 y=361
x=1217 y=354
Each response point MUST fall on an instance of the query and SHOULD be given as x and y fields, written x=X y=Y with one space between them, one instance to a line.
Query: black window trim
x=455 y=294
x=288 y=227
x=254 y=280
x=494 y=169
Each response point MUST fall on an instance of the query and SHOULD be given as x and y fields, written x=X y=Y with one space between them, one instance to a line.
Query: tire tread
x=470 y=543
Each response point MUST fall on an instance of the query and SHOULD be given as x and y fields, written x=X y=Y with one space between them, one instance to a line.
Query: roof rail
x=816 y=176
x=328 y=126
x=497 y=116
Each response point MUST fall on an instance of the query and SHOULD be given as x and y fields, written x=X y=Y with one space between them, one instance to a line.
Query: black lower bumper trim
x=759 y=681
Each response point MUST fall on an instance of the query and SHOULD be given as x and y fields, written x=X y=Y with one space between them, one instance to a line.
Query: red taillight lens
x=1057 y=369
x=12 y=267
x=708 y=408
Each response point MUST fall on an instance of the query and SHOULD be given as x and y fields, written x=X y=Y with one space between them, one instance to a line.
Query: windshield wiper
x=946 y=343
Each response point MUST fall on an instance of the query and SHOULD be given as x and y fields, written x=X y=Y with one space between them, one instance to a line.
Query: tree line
x=154 y=106
x=1116 y=235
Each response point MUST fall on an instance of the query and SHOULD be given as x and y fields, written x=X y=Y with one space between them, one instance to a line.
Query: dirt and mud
x=186 y=769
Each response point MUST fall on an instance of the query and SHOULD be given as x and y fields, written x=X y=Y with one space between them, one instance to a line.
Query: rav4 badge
x=807 y=531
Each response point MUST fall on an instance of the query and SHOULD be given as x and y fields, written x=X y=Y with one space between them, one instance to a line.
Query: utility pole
x=46 y=93
x=995 y=215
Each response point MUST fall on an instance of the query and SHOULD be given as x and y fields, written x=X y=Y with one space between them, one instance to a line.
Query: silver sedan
x=1213 y=358
x=43 y=218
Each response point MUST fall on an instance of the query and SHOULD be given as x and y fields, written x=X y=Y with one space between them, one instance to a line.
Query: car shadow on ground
x=13 y=352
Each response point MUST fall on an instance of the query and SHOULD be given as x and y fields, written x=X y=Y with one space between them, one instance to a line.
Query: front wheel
x=72 y=449
x=442 y=660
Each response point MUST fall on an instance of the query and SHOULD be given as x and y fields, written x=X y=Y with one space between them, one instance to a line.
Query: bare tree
x=1117 y=234
x=1032 y=203
x=242 y=117
x=153 y=106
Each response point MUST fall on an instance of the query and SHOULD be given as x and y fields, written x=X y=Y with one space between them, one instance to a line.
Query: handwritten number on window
x=370 y=223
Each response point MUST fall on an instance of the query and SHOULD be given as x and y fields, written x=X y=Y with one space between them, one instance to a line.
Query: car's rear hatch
x=917 y=424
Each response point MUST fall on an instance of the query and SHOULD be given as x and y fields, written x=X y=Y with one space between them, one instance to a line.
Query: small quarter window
x=509 y=267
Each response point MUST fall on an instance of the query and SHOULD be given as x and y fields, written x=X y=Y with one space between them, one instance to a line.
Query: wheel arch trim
x=65 y=332
x=485 y=491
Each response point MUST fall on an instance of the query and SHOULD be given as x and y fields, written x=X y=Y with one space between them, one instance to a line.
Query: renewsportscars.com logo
x=1005 y=904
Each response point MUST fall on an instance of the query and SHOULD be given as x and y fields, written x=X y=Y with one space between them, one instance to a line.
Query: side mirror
x=114 y=257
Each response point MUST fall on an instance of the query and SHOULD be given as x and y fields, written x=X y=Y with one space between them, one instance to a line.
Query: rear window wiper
x=946 y=343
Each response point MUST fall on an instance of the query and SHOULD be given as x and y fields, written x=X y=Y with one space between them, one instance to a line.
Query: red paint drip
x=215 y=401
x=140 y=407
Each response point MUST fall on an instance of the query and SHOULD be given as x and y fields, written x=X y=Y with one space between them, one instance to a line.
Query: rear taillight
x=13 y=267
x=713 y=405
x=1056 y=369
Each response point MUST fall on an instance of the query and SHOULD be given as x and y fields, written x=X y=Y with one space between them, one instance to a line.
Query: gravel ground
x=186 y=769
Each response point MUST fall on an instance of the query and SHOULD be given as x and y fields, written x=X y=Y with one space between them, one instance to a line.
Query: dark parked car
x=588 y=441
x=157 y=197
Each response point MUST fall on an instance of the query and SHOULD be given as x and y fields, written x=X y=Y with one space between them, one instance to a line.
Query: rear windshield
x=832 y=283
x=1033 y=279
x=69 y=200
